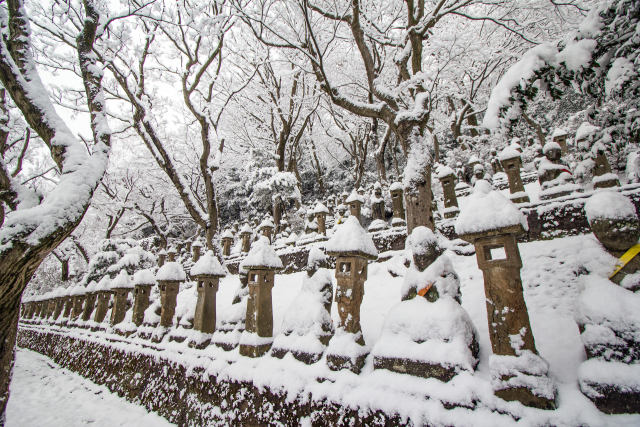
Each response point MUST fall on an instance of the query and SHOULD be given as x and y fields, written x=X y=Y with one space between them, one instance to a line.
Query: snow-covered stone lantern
x=104 y=296
x=262 y=262
x=266 y=228
x=585 y=135
x=61 y=294
x=321 y=212
x=171 y=254
x=68 y=303
x=196 y=250
x=559 y=136
x=602 y=176
x=187 y=246
x=78 y=293
x=120 y=286
x=447 y=177
x=355 y=202
x=143 y=281
x=162 y=257
x=377 y=203
x=511 y=164
x=207 y=272
x=353 y=248
x=90 y=300
x=245 y=236
x=492 y=223
x=227 y=241
x=169 y=277
x=397 y=200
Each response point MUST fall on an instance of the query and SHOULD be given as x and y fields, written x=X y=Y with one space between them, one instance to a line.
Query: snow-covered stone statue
x=492 y=223
x=495 y=162
x=353 y=248
x=266 y=228
x=397 y=203
x=427 y=334
x=511 y=162
x=377 y=203
x=207 y=272
x=245 y=236
x=262 y=262
x=307 y=326
x=554 y=175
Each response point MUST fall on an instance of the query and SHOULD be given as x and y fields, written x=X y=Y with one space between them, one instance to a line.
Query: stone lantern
x=162 y=257
x=227 y=241
x=447 y=177
x=196 y=249
x=61 y=295
x=50 y=304
x=68 y=303
x=602 y=176
x=187 y=245
x=377 y=203
x=245 y=235
x=353 y=248
x=266 y=227
x=559 y=136
x=262 y=262
x=103 y=288
x=143 y=281
x=78 y=294
x=120 y=286
x=207 y=272
x=90 y=300
x=171 y=254
x=169 y=277
x=473 y=161
x=492 y=223
x=511 y=164
x=321 y=212
x=397 y=199
x=355 y=202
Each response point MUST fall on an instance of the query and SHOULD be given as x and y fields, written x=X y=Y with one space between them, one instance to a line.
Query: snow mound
x=320 y=208
x=171 y=271
x=208 y=265
x=262 y=255
x=144 y=277
x=122 y=281
x=608 y=204
x=509 y=152
x=350 y=237
x=354 y=197
x=488 y=210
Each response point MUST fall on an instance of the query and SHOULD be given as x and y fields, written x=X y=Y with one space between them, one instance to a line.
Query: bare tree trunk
x=64 y=264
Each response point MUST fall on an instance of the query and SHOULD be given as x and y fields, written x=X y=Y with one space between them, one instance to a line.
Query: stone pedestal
x=259 y=320
x=205 y=316
x=78 y=302
x=68 y=307
x=141 y=302
x=511 y=165
x=245 y=235
x=89 y=305
x=162 y=258
x=102 y=306
x=602 y=176
x=196 y=249
x=227 y=241
x=448 y=182
x=321 y=220
x=499 y=259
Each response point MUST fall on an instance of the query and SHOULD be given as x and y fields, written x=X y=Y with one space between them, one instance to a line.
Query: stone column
x=321 y=211
x=78 y=301
x=119 y=305
x=143 y=282
x=245 y=235
x=511 y=163
x=397 y=200
x=169 y=278
x=68 y=305
x=102 y=306
x=90 y=301
x=351 y=273
x=60 y=300
x=227 y=241
x=162 y=257
x=602 y=176
x=448 y=181
x=355 y=202
x=499 y=259
x=171 y=254
x=262 y=264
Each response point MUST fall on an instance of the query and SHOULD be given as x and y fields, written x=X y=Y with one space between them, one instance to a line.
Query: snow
x=320 y=208
x=91 y=287
x=45 y=394
x=395 y=186
x=524 y=370
x=551 y=145
x=104 y=284
x=263 y=256
x=226 y=235
x=559 y=132
x=208 y=265
x=354 y=197
x=246 y=229
x=144 y=277
x=122 y=281
x=266 y=223
x=585 y=129
x=350 y=237
x=171 y=271
x=577 y=54
x=608 y=204
x=598 y=371
x=508 y=153
x=487 y=210
x=620 y=72
x=445 y=171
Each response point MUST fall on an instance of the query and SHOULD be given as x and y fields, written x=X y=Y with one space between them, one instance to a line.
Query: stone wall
x=189 y=396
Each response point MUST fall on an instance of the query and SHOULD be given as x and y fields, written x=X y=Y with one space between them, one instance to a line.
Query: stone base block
x=614 y=399
x=302 y=356
x=521 y=199
x=336 y=362
x=414 y=367
x=526 y=397
x=254 y=350
x=606 y=183
x=451 y=214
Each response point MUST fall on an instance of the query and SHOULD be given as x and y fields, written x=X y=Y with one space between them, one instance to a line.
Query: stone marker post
x=511 y=163
x=78 y=301
x=143 y=282
x=207 y=272
x=169 y=278
x=227 y=241
x=196 y=249
x=245 y=235
x=104 y=296
x=321 y=212
x=448 y=180
x=397 y=200
x=355 y=202
x=90 y=300
x=162 y=257
x=171 y=254
x=120 y=286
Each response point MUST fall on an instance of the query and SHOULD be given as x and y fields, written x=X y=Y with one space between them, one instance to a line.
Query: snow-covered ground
x=44 y=394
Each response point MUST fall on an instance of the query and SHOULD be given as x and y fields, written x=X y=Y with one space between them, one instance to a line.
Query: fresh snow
x=608 y=204
x=350 y=237
x=262 y=255
x=208 y=265
x=171 y=271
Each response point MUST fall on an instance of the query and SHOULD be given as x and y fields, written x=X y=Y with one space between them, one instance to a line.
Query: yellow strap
x=624 y=259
